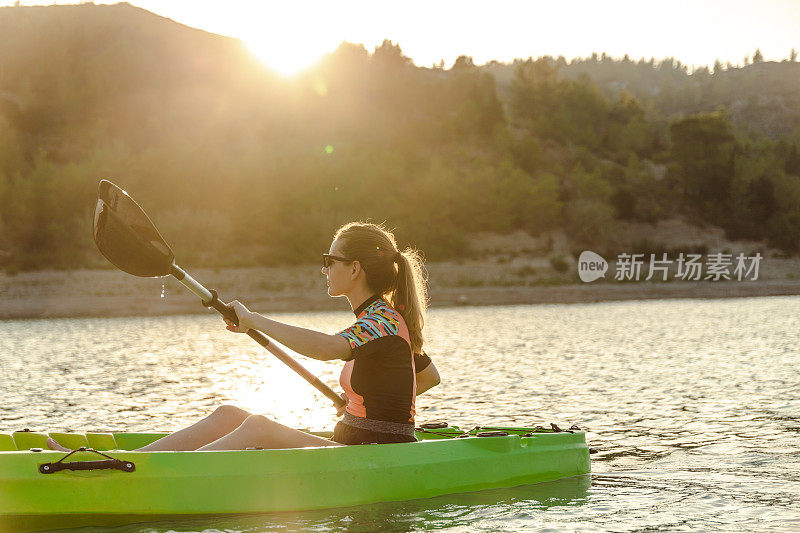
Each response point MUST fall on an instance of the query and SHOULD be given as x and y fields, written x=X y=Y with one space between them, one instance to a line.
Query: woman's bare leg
x=260 y=432
x=230 y=428
x=222 y=421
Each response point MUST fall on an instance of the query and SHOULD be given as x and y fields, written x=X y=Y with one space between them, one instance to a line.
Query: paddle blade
x=127 y=237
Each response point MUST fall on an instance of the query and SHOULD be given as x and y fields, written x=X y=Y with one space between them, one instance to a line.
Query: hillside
x=762 y=97
x=73 y=76
x=242 y=168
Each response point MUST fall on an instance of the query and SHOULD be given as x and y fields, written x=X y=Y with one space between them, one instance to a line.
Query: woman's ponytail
x=397 y=276
x=410 y=296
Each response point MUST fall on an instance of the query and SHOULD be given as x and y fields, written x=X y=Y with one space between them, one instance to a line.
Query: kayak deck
x=257 y=481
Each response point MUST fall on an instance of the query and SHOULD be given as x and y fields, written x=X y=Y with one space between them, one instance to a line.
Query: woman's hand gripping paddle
x=128 y=238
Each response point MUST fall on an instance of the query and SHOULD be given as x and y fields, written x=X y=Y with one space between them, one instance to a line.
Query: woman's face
x=339 y=274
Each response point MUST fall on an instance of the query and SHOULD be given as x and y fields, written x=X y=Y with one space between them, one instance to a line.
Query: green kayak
x=106 y=484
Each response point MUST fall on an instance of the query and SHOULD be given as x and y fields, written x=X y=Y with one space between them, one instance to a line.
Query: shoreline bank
x=110 y=293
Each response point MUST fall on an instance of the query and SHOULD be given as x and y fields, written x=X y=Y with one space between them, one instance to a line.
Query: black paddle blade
x=127 y=237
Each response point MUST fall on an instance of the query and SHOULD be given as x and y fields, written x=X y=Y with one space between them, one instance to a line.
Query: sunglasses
x=328 y=259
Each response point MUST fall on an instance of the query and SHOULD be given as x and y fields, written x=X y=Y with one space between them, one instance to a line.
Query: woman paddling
x=381 y=377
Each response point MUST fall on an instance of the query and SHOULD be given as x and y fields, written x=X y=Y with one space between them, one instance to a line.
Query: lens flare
x=320 y=87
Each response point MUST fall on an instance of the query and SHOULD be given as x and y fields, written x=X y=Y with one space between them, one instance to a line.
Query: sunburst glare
x=285 y=59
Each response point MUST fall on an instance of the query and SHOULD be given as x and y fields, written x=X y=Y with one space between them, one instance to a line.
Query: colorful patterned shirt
x=379 y=376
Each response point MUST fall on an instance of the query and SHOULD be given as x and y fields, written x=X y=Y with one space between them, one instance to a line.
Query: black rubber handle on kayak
x=109 y=463
x=104 y=464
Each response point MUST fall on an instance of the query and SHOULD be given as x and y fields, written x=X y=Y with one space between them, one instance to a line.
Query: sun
x=284 y=58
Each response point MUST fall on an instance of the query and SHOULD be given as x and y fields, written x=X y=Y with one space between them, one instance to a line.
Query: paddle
x=128 y=238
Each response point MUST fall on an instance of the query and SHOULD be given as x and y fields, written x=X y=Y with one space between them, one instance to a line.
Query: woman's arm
x=308 y=342
x=427 y=378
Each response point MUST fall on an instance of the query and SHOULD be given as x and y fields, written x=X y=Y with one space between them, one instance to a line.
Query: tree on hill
x=702 y=148
x=390 y=55
x=472 y=94
x=566 y=110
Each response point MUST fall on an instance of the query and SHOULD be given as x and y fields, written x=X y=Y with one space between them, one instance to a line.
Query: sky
x=291 y=35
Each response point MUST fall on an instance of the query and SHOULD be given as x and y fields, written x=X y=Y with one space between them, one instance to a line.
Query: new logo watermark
x=591 y=266
x=686 y=267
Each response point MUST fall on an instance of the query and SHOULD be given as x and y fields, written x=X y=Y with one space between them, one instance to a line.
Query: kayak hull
x=259 y=481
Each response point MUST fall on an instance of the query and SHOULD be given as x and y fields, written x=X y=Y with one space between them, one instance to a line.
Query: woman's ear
x=355 y=270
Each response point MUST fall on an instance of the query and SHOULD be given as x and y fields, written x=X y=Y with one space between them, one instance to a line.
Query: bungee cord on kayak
x=442 y=429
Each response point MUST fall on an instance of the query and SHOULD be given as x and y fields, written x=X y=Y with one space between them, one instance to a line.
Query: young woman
x=385 y=365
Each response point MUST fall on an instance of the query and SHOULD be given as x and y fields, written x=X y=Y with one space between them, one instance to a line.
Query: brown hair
x=397 y=276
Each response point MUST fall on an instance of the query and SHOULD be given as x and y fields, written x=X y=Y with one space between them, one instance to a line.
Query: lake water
x=693 y=405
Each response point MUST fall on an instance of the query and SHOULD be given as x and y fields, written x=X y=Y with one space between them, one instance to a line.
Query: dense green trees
x=749 y=186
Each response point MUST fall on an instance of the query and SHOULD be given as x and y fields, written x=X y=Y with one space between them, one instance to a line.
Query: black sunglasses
x=328 y=259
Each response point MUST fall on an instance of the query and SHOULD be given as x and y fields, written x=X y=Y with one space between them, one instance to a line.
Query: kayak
x=104 y=483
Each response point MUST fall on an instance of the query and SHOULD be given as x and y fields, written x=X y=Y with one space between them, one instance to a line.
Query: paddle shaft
x=210 y=299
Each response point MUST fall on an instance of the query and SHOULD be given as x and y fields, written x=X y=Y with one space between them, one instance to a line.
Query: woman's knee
x=257 y=422
x=231 y=414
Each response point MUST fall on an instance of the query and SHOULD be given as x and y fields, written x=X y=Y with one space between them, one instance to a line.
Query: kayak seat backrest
x=73 y=441
x=132 y=441
x=101 y=441
x=7 y=443
x=25 y=440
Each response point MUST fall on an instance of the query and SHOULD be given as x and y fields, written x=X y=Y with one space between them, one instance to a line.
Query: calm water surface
x=693 y=406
